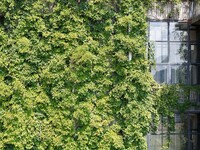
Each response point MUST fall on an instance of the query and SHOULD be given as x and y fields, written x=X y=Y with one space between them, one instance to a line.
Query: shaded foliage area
x=65 y=78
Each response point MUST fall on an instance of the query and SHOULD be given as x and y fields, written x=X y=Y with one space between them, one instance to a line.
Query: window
x=195 y=56
x=195 y=71
x=178 y=74
x=171 y=51
x=158 y=31
x=177 y=33
x=160 y=73
x=161 y=52
x=178 y=52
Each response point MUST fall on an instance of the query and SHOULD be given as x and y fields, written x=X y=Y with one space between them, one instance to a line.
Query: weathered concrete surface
x=170 y=11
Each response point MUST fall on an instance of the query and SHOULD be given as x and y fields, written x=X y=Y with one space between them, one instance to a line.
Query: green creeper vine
x=65 y=78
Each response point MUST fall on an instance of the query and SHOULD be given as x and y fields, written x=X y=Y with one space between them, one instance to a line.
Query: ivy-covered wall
x=65 y=78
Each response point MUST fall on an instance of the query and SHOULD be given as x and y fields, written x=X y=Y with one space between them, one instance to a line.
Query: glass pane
x=195 y=77
x=178 y=74
x=178 y=142
x=195 y=54
x=178 y=52
x=160 y=141
x=193 y=36
x=155 y=142
x=158 y=31
x=176 y=34
x=160 y=73
x=161 y=52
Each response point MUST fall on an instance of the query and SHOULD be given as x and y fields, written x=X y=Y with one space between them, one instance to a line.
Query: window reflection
x=176 y=34
x=160 y=73
x=178 y=52
x=161 y=52
x=178 y=74
x=158 y=31
x=171 y=52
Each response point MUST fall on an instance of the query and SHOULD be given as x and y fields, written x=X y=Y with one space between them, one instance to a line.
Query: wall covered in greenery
x=65 y=78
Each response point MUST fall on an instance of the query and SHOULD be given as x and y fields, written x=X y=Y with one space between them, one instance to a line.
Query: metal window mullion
x=168 y=44
x=188 y=57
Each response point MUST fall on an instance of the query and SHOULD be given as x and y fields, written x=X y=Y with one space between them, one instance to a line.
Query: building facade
x=174 y=30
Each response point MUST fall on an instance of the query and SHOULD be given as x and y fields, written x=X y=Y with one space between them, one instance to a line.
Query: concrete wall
x=173 y=11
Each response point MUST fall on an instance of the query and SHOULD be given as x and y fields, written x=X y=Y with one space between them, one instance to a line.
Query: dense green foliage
x=65 y=78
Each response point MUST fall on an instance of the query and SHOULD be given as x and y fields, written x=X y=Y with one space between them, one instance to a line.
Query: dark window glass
x=195 y=53
x=178 y=52
x=194 y=96
x=193 y=36
x=158 y=31
x=161 y=52
x=195 y=74
x=176 y=33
